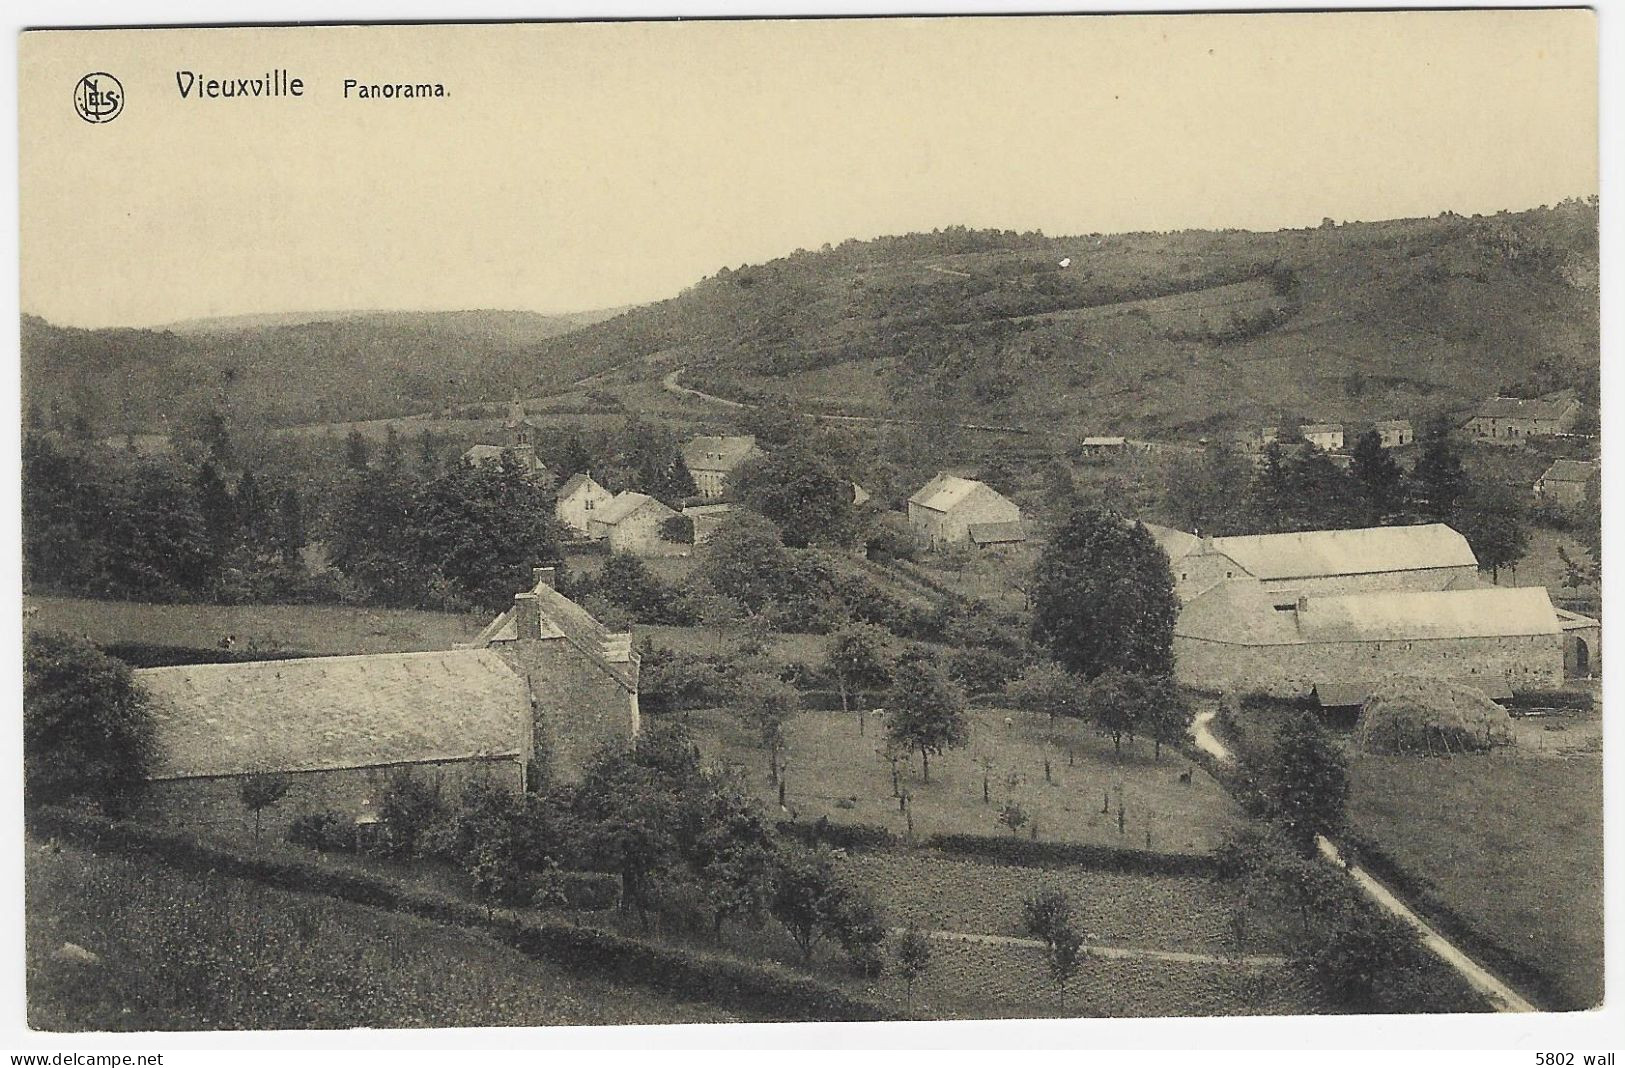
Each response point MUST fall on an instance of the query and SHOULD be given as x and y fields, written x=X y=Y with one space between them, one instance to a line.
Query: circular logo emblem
x=98 y=97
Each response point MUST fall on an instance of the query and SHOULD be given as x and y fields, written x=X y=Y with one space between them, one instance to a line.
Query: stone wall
x=213 y=805
x=1290 y=670
x=579 y=706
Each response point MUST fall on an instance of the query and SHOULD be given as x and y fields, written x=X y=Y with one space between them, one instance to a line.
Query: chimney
x=544 y=576
x=1207 y=543
x=527 y=617
x=1303 y=603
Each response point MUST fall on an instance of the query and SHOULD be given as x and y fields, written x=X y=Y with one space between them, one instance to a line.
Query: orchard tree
x=260 y=791
x=767 y=704
x=1046 y=688
x=808 y=897
x=860 y=658
x=1103 y=597
x=1119 y=704
x=1167 y=715
x=1048 y=917
x=925 y=712
x=913 y=952
x=87 y=728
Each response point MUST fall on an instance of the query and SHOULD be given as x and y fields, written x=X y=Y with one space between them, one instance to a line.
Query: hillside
x=284 y=369
x=1144 y=333
x=1149 y=333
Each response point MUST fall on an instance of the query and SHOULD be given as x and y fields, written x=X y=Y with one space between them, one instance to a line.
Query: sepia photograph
x=810 y=520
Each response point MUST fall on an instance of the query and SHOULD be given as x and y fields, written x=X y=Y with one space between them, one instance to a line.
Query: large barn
x=1289 y=613
x=543 y=687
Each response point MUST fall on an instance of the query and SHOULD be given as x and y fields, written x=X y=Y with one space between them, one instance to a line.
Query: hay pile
x=1412 y=715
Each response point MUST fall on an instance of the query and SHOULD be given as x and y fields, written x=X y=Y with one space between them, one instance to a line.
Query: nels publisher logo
x=98 y=97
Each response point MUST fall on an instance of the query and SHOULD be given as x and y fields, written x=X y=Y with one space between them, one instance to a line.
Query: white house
x=946 y=508
x=580 y=501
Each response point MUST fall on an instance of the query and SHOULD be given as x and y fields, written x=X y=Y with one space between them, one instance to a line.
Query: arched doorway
x=1577 y=658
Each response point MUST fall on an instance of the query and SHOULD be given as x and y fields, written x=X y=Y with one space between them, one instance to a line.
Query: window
x=590 y=504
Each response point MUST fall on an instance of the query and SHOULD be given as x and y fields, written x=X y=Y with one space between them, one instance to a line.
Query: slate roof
x=623 y=505
x=718 y=453
x=1492 y=612
x=996 y=533
x=1348 y=552
x=1551 y=406
x=333 y=712
x=575 y=482
x=1321 y=428
x=1176 y=543
x=1569 y=471
x=943 y=492
x=1237 y=612
x=1102 y=442
x=1392 y=424
x=562 y=618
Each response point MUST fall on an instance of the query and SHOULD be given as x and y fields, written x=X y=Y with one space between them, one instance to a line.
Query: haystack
x=1412 y=714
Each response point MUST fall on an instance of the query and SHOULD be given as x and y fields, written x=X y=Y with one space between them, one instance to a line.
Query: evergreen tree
x=1382 y=483
x=357 y=452
x=1441 y=478
x=291 y=533
x=1103 y=597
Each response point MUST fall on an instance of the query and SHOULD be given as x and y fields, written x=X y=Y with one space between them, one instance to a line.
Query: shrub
x=324 y=831
x=1025 y=852
x=410 y=806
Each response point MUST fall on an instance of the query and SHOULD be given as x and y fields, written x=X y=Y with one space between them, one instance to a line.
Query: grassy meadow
x=178 y=951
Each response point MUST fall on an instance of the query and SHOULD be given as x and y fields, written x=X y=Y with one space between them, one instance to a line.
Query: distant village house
x=1565 y=481
x=635 y=523
x=1395 y=432
x=711 y=459
x=581 y=499
x=950 y=510
x=1512 y=419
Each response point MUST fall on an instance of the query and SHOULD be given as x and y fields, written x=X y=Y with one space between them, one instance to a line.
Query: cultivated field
x=1512 y=843
x=185 y=952
x=317 y=630
x=836 y=772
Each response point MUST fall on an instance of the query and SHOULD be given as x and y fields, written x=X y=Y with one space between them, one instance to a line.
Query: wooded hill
x=1150 y=333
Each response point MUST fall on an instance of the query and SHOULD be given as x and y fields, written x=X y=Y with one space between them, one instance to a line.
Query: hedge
x=151 y=654
x=1024 y=852
x=759 y=989
x=839 y=835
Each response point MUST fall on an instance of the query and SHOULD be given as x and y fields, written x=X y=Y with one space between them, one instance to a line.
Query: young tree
x=1119 y=704
x=1381 y=482
x=1104 y=597
x=925 y=712
x=767 y=704
x=860 y=658
x=87 y=728
x=1047 y=916
x=913 y=952
x=1167 y=715
x=1307 y=781
x=260 y=791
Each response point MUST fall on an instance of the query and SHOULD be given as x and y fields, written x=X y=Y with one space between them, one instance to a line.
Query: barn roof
x=333 y=712
x=1551 y=406
x=624 y=504
x=1348 y=552
x=996 y=533
x=1392 y=424
x=1238 y=612
x=577 y=481
x=945 y=491
x=1492 y=612
x=718 y=453
x=1569 y=471
x=1176 y=543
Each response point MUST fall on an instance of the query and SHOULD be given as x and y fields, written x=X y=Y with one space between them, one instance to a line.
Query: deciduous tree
x=925 y=712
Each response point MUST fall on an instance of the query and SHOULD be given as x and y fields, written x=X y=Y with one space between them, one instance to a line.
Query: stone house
x=946 y=508
x=707 y=518
x=1512 y=419
x=635 y=523
x=1395 y=432
x=1565 y=481
x=545 y=685
x=580 y=500
x=1103 y=445
x=711 y=459
x=1327 y=437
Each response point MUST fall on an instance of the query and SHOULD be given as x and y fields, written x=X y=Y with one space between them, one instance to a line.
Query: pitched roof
x=1492 y=612
x=335 y=712
x=717 y=453
x=490 y=454
x=1321 y=428
x=1348 y=552
x=1102 y=441
x=996 y=533
x=577 y=481
x=945 y=491
x=1392 y=424
x=562 y=618
x=1551 y=406
x=624 y=504
x=1569 y=471
x=1238 y=612
x=1176 y=543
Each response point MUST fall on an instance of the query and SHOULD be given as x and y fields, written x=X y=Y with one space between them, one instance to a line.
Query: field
x=835 y=771
x=1510 y=843
x=317 y=630
x=185 y=952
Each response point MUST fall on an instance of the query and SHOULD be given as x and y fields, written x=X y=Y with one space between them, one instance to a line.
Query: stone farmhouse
x=544 y=685
x=707 y=518
x=712 y=459
x=635 y=523
x=1511 y=419
x=519 y=437
x=950 y=510
x=1565 y=481
x=580 y=500
x=1395 y=432
x=1327 y=437
x=1290 y=614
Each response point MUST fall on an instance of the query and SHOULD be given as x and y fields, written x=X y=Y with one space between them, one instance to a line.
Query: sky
x=573 y=167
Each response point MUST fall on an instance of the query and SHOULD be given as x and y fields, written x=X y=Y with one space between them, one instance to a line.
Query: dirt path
x=1501 y=996
x=1109 y=952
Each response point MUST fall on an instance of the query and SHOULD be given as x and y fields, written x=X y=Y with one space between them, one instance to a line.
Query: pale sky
x=587 y=166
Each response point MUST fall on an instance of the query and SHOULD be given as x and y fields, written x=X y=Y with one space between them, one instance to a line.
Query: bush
x=323 y=831
x=409 y=808
x=838 y=835
x=981 y=670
